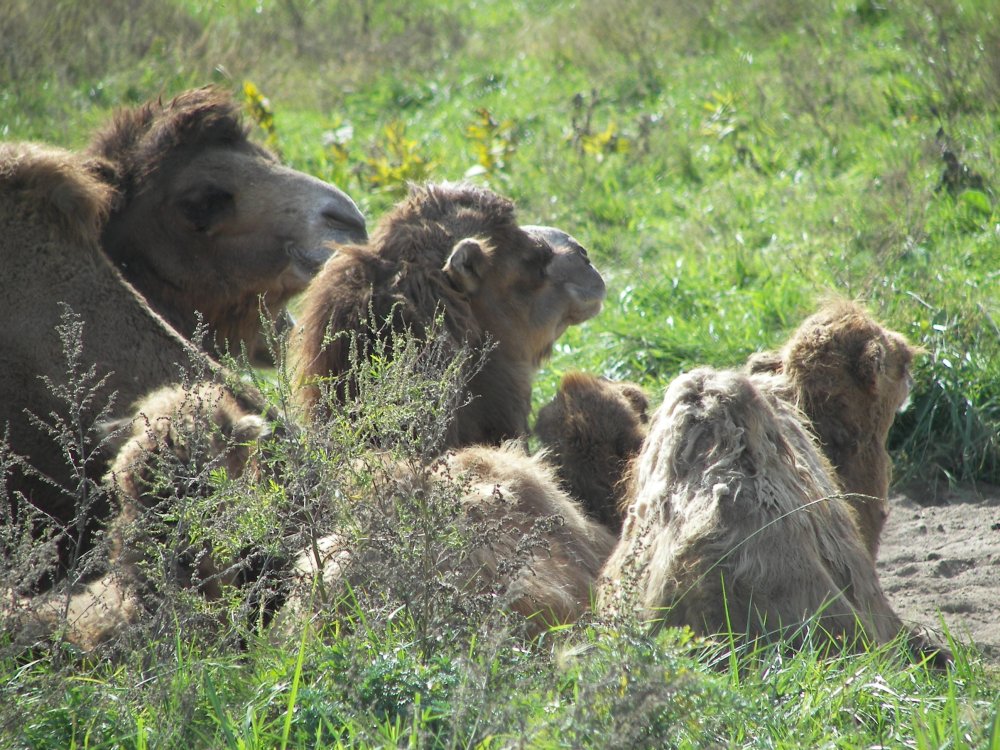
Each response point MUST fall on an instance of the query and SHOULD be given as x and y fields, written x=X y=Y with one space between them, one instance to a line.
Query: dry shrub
x=193 y=507
x=188 y=550
x=202 y=552
x=387 y=523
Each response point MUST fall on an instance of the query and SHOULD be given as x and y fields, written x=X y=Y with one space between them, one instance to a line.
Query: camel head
x=845 y=364
x=205 y=221
x=528 y=292
x=457 y=250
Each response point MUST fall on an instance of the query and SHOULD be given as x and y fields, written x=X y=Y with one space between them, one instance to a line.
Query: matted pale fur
x=849 y=375
x=737 y=521
x=556 y=586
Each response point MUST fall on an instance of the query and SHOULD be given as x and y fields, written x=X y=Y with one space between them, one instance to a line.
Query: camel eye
x=205 y=208
x=541 y=258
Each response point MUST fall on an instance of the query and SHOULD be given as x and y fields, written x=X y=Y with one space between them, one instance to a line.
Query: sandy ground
x=940 y=559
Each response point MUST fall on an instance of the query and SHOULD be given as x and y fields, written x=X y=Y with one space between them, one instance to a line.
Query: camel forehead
x=557 y=239
x=426 y=228
x=144 y=139
x=833 y=339
x=457 y=210
x=239 y=168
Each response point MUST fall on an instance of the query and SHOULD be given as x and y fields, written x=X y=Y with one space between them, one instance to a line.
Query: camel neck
x=500 y=403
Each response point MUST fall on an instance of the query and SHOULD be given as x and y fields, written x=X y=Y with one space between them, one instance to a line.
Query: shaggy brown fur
x=850 y=376
x=178 y=435
x=51 y=208
x=515 y=495
x=204 y=221
x=456 y=249
x=593 y=428
x=736 y=520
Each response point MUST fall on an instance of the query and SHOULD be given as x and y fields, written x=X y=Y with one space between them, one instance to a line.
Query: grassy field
x=728 y=164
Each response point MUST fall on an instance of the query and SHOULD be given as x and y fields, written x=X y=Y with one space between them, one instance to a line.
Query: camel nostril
x=334 y=218
x=346 y=220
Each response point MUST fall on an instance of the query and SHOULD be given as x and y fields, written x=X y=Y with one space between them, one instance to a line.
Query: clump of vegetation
x=394 y=162
x=493 y=142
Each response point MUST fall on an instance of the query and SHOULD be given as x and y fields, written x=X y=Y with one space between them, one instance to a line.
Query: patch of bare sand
x=940 y=559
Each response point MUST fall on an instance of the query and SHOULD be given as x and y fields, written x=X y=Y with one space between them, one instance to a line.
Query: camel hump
x=64 y=189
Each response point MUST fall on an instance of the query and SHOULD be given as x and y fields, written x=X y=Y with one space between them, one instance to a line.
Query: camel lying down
x=737 y=522
x=534 y=546
x=178 y=437
x=735 y=519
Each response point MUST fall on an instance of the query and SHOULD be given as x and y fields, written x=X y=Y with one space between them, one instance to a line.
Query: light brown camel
x=458 y=250
x=737 y=521
x=535 y=544
x=204 y=221
x=849 y=375
x=592 y=429
x=179 y=435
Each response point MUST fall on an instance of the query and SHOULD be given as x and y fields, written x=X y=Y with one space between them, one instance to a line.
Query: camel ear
x=871 y=364
x=466 y=265
x=766 y=362
x=637 y=400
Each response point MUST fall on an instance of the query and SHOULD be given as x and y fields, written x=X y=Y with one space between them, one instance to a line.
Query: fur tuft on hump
x=138 y=140
x=58 y=184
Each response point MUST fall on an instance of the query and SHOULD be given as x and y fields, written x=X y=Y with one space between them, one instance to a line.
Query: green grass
x=608 y=688
x=727 y=164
